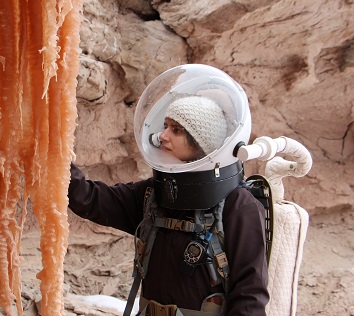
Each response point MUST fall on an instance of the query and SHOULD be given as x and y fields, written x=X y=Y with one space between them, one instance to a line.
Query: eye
x=177 y=130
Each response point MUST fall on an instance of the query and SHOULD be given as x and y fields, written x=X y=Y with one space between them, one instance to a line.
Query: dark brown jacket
x=121 y=206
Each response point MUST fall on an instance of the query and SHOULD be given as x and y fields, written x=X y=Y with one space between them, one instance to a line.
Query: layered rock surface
x=295 y=59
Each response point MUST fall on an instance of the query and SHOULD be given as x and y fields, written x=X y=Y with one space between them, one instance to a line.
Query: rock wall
x=294 y=58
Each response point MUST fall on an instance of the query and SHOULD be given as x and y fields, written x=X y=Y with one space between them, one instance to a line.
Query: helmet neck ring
x=196 y=190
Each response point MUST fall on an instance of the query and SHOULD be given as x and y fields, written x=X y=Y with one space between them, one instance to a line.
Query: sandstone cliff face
x=294 y=58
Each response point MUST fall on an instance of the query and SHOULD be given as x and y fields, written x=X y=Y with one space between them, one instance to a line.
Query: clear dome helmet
x=179 y=184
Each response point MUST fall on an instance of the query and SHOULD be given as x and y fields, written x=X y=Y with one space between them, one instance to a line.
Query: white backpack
x=290 y=223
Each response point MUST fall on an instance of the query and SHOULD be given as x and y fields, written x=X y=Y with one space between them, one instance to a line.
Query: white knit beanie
x=202 y=118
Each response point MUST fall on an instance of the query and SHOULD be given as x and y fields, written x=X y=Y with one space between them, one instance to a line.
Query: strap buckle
x=157 y=309
x=177 y=224
x=223 y=265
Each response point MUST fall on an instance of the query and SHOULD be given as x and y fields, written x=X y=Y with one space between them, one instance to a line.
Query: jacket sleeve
x=119 y=206
x=244 y=227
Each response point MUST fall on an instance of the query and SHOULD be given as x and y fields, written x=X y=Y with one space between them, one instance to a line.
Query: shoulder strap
x=144 y=238
x=219 y=268
x=259 y=187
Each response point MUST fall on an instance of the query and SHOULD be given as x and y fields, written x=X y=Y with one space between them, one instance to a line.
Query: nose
x=165 y=135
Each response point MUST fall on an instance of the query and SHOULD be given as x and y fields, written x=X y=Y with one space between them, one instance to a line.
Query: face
x=176 y=141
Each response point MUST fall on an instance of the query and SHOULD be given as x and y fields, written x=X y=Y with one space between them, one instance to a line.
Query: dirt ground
x=326 y=285
x=99 y=261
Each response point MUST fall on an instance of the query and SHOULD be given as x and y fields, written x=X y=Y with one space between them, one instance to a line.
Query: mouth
x=164 y=148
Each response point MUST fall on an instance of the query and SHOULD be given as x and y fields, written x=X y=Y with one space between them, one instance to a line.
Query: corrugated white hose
x=265 y=148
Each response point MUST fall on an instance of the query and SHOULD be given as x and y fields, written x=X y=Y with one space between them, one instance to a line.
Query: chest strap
x=179 y=224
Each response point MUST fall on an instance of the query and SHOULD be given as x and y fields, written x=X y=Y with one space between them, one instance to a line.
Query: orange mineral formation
x=39 y=49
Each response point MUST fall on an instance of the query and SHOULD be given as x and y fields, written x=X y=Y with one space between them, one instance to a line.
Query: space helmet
x=225 y=117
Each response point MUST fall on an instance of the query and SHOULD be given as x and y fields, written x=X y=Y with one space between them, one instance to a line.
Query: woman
x=177 y=263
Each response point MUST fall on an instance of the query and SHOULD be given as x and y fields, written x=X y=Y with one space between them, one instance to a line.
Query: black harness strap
x=132 y=295
x=143 y=246
x=219 y=270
